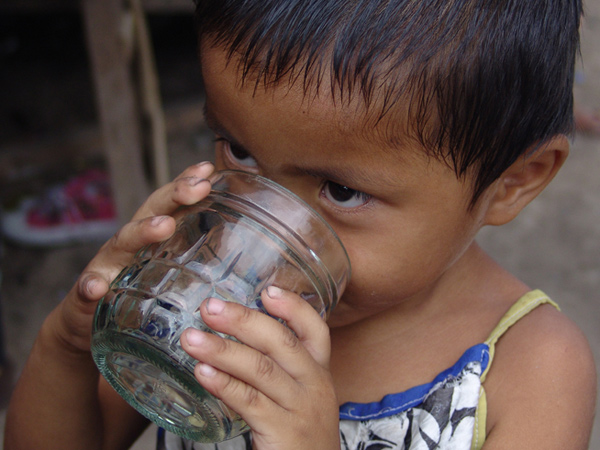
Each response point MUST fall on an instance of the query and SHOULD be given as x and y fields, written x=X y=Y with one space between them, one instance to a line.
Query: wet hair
x=484 y=81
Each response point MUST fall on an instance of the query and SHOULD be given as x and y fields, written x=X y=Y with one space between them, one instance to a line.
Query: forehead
x=291 y=131
x=347 y=112
x=291 y=134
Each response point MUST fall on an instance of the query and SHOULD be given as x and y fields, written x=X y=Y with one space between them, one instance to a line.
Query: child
x=408 y=125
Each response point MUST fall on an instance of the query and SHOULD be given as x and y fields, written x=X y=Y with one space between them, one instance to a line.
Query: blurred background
x=101 y=101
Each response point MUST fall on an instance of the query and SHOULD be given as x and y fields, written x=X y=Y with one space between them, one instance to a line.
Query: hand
x=152 y=223
x=278 y=381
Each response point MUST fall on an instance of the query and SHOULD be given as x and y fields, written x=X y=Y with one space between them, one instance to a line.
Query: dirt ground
x=554 y=245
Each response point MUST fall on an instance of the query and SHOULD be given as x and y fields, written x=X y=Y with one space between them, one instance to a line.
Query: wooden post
x=116 y=101
x=153 y=117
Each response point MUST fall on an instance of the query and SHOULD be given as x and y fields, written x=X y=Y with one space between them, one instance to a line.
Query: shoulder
x=542 y=384
x=545 y=336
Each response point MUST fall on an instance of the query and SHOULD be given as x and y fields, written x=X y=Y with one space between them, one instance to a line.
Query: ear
x=524 y=180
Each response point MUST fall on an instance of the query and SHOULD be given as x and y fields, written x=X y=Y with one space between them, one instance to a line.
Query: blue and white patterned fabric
x=439 y=414
x=435 y=415
x=449 y=413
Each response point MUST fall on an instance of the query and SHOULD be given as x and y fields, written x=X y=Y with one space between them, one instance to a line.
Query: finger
x=188 y=188
x=149 y=226
x=248 y=402
x=91 y=287
x=310 y=329
x=94 y=281
x=244 y=371
x=267 y=335
x=117 y=252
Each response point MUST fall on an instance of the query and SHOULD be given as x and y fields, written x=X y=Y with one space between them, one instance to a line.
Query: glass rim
x=222 y=174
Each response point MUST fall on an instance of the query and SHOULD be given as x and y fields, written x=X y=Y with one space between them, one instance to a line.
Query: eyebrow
x=347 y=176
x=216 y=127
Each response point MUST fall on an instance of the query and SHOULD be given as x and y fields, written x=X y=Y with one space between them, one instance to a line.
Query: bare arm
x=542 y=386
x=60 y=401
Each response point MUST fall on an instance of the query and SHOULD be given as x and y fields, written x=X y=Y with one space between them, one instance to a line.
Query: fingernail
x=156 y=221
x=206 y=370
x=87 y=285
x=203 y=163
x=90 y=284
x=194 y=337
x=194 y=181
x=215 y=306
x=274 y=292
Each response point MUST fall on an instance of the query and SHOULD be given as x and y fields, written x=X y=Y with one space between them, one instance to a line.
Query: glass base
x=162 y=390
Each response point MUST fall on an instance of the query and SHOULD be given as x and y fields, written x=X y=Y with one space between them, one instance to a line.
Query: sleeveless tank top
x=449 y=412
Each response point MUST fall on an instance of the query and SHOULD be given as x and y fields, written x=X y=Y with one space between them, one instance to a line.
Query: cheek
x=382 y=279
x=382 y=270
x=400 y=262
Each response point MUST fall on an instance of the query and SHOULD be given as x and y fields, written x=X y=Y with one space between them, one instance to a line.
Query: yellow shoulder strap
x=521 y=308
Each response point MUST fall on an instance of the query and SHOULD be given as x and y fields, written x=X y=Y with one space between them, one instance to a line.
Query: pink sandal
x=78 y=211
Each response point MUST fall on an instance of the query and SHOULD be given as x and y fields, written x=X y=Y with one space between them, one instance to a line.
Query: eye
x=235 y=154
x=344 y=197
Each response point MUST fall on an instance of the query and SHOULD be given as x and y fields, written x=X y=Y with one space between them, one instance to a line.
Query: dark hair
x=485 y=80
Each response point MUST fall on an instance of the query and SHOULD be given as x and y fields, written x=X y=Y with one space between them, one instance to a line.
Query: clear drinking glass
x=247 y=234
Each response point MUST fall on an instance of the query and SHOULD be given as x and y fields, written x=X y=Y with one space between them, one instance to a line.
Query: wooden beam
x=30 y=6
x=116 y=103
x=152 y=114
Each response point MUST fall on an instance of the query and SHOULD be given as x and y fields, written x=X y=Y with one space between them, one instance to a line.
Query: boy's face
x=403 y=217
